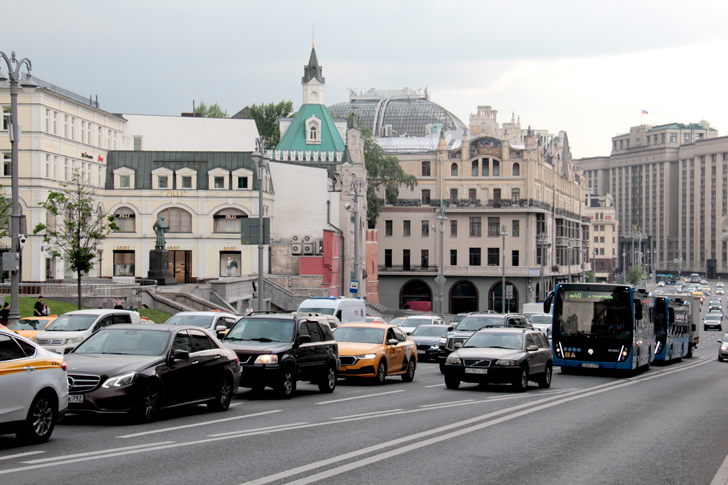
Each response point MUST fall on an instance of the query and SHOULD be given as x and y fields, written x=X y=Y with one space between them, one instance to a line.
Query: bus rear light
x=623 y=354
x=559 y=351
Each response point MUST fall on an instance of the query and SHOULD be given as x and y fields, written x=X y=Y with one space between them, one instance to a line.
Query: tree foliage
x=74 y=227
x=589 y=277
x=266 y=117
x=6 y=206
x=212 y=111
x=385 y=172
x=634 y=275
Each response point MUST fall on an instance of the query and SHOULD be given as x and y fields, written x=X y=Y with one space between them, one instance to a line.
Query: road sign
x=440 y=280
x=354 y=286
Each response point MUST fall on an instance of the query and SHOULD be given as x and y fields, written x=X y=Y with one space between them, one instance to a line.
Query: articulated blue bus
x=672 y=319
x=601 y=326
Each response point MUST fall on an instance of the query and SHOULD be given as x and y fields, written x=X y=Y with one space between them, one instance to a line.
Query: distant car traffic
x=415 y=321
x=713 y=320
x=375 y=320
x=542 y=322
x=427 y=339
x=29 y=327
x=723 y=349
x=719 y=291
x=72 y=328
x=660 y=283
x=215 y=321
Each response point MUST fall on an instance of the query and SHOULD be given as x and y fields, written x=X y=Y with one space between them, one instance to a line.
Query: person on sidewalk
x=118 y=305
x=38 y=308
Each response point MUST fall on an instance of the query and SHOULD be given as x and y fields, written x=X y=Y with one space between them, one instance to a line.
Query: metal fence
x=50 y=290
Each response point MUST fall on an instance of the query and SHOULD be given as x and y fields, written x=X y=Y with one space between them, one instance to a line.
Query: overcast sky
x=585 y=67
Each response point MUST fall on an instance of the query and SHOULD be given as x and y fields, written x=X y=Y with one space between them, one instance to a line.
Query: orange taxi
x=29 y=327
x=375 y=350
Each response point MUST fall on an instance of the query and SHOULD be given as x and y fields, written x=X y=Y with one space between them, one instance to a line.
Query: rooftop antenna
x=313 y=35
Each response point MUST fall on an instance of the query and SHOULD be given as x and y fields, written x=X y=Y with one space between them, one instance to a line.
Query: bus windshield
x=593 y=314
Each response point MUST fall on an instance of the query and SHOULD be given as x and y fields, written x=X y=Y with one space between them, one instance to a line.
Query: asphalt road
x=667 y=425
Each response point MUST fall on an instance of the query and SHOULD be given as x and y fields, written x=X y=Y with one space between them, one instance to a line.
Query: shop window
x=125 y=219
x=230 y=262
x=179 y=220
x=228 y=220
x=124 y=263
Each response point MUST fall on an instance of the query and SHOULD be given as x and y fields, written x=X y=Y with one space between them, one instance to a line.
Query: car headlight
x=267 y=359
x=434 y=347
x=72 y=341
x=443 y=341
x=367 y=356
x=121 y=380
x=453 y=360
x=724 y=347
x=506 y=362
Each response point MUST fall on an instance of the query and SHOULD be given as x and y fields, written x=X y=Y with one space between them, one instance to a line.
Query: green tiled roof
x=680 y=126
x=295 y=137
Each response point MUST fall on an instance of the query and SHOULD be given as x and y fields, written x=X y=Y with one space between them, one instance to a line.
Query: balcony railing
x=411 y=268
x=477 y=203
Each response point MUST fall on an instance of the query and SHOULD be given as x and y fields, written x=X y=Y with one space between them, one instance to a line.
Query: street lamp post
x=570 y=250
x=441 y=217
x=624 y=268
x=583 y=257
x=542 y=241
x=503 y=284
x=647 y=264
x=260 y=155
x=594 y=265
x=14 y=67
x=355 y=193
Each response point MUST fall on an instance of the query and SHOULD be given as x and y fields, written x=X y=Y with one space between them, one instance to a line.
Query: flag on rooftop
x=644 y=112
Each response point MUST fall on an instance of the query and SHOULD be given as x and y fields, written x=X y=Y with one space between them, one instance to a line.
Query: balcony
x=477 y=203
x=407 y=269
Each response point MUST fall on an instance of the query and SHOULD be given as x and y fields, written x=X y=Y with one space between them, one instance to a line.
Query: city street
x=666 y=425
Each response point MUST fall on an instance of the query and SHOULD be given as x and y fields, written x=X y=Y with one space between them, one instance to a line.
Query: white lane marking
x=436 y=385
x=98 y=452
x=185 y=426
x=721 y=477
x=445 y=403
x=360 y=397
x=18 y=455
x=261 y=430
x=526 y=408
x=368 y=414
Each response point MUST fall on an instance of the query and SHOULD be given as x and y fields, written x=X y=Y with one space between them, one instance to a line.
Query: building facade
x=605 y=229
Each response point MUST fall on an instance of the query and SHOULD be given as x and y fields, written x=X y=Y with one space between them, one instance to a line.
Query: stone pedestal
x=159 y=267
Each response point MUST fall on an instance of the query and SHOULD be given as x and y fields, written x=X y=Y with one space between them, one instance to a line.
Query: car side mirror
x=180 y=355
x=305 y=339
x=450 y=328
x=532 y=348
x=220 y=328
x=221 y=334
x=392 y=341
x=458 y=345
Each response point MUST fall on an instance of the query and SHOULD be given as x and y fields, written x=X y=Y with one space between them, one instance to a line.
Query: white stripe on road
x=436 y=385
x=368 y=414
x=98 y=452
x=174 y=428
x=18 y=455
x=260 y=430
x=721 y=478
x=446 y=403
x=360 y=397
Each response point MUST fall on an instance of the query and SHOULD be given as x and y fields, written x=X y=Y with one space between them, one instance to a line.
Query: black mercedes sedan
x=143 y=369
x=427 y=339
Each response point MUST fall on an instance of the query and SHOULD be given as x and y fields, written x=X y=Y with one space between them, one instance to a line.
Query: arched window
x=486 y=166
x=178 y=219
x=463 y=297
x=414 y=290
x=125 y=219
x=516 y=170
x=496 y=302
x=475 y=168
x=313 y=134
x=228 y=220
x=496 y=168
x=454 y=170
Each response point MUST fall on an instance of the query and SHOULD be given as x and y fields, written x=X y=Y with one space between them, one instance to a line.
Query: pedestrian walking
x=5 y=314
x=248 y=310
x=38 y=308
x=46 y=310
x=118 y=305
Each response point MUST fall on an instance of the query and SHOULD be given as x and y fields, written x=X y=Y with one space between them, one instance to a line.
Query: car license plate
x=75 y=398
x=590 y=366
x=476 y=371
x=420 y=351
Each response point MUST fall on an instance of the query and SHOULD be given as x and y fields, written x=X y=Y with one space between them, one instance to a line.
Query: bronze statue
x=159 y=229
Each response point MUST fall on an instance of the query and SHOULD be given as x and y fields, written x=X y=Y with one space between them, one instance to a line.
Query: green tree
x=212 y=111
x=75 y=227
x=635 y=275
x=266 y=117
x=589 y=277
x=383 y=171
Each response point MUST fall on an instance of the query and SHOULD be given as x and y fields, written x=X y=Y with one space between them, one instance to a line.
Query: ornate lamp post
x=27 y=83
x=624 y=268
x=355 y=193
x=543 y=241
x=503 y=283
x=441 y=217
x=260 y=155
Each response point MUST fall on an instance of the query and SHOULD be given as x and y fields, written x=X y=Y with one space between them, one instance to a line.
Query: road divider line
x=97 y=452
x=18 y=455
x=446 y=403
x=435 y=385
x=259 y=430
x=359 y=397
x=368 y=414
x=185 y=426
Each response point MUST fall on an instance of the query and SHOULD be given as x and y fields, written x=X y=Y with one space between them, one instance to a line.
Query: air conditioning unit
x=308 y=248
x=296 y=239
x=295 y=248
x=319 y=246
x=307 y=239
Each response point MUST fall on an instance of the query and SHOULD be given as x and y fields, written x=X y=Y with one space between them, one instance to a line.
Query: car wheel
x=442 y=368
x=287 y=385
x=223 y=395
x=381 y=372
x=41 y=420
x=545 y=381
x=409 y=376
x=720 y=359
x=451 y=382
x=328 y=384
x=705 y=328
x=149 y=409
x=521 y=382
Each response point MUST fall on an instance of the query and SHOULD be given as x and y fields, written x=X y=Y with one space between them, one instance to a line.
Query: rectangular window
x=514 y=258
x=474 y=256
x=387 y=228
x=55 y=167
x=73 y=128
x=124 y=181
x=486 y=167
x=115 y=140
x=453 y=196
x=453 y=227
x=494 y=257
x=88 y=134
x=230 y=263
x=496 y=195
x=425 y=228
x=516 y=228
x=475 y=226
x=65 y=170
x=474 y=168
x=242 y=182
x=406 y=259
x=108 y=139
x=99 y=139
x=55 y=122
x=387 y=258
x=65 y=126
x=163 y=181
x=471 y=196
x=219 y=182
x=48 y=121
x=425 y=258
x=453 y=257
x=425 y=196
x=186 y=181
x=516 y=195
x=406 y=228
x=124 y=263
x=7 y=164
x=494 y=226
x=426 y=169
x=125 y=219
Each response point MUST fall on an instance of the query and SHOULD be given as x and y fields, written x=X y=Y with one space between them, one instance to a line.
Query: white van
x=345 y=309
x=72 y=328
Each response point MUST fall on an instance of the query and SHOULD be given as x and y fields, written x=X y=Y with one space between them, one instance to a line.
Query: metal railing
x=50 y=290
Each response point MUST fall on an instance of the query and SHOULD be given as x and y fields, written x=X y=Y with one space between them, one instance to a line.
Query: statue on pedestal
x=159 y=229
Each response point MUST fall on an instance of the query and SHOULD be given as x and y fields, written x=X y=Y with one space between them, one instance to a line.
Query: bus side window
x=638 y=310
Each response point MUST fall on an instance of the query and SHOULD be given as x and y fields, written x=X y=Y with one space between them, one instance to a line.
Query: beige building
x=605 y=229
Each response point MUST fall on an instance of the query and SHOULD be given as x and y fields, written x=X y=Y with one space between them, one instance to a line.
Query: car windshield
x=72 y=323
x=322 y=311
x=415 y=322
x=713 y=316
x=125 y=342
x=262 y=330
x=495 y=341
x=542 y=319
x=429 y=331
x=203 y=321
x=364 y=335
x=458 y=318
x=475 y=323
x=28 y=324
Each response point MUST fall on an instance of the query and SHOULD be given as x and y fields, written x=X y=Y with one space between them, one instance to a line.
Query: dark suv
x=471 y=324
x=278 y=349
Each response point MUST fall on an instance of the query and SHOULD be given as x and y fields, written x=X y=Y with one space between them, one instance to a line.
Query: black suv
x=278 y=349
x=471 y=324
